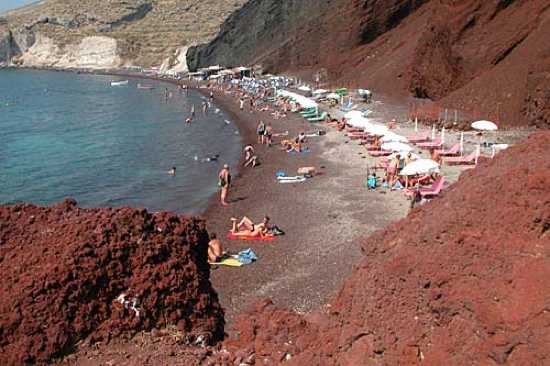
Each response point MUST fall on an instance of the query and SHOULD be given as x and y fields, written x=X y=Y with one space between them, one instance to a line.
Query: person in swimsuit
x=268 y=134
x=224 y=183
x=392 y=170
x=246 y=227
x=215 y=249
x=172 y=171
x=260 y=130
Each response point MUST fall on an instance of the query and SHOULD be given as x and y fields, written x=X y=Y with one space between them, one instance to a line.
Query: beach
x=322 y=217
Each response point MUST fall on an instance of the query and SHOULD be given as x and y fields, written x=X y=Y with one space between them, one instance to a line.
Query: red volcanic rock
x=487 y=58
x=63 y=270
x=463 y=280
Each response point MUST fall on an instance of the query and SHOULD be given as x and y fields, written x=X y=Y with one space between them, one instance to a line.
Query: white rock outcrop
x=95 y=52
x=176 y=64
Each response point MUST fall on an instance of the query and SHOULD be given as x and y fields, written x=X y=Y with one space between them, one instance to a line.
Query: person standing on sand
x=241 y=104
x=260 y=130
x=193 y=111
x=224 y=183
x=268 y=135
x=204 y=108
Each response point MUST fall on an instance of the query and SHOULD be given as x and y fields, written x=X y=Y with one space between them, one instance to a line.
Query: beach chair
x=417 y=138
x=453 y=151
x=308 y=111
x=437 y=143
x=433 y=190
x=318 y=119
x=461 y=160
x=311 y=114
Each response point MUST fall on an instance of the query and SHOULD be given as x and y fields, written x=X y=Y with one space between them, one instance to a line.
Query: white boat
x=145 y=86
x=119 y=83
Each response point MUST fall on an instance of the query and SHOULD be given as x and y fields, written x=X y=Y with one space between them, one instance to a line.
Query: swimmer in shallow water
x=172 y=171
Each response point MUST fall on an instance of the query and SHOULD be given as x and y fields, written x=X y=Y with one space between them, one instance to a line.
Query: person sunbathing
x=246 y=227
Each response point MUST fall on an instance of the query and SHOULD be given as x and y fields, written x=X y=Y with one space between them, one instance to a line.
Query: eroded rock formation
x=70 y=274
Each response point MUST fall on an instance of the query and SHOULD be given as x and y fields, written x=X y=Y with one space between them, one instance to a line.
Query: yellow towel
x=231 y=262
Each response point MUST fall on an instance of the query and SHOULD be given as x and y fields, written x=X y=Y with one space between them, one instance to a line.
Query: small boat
x=119 y=83
x=145 y=86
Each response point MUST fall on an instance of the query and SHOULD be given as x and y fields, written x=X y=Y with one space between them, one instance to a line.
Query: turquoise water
x=73 y=135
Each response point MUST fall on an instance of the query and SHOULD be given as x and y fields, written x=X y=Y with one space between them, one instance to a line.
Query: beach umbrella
x=304 y=88
x=484 y=126
x=378 y=130
x=415 y=124
x=443 y=135
x=420 y=166
x=393 y=137
x=396 y=146
x=333 y=96
x=353 y=114
x=461 y=142
x=433 y=132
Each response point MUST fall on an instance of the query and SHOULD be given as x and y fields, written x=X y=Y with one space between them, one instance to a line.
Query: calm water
x=68 y=135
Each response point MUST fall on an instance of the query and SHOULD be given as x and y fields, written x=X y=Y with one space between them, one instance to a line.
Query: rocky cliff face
x=99 y=34
x=487 y=58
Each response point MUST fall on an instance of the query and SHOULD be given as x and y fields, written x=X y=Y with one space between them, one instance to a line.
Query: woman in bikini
x=246 y=227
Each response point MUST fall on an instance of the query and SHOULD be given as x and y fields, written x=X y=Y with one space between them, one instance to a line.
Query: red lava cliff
x=462 y=281
x=486 y=58
x=70 y=274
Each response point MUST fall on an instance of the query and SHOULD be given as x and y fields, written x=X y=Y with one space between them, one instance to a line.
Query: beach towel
x=303 y=152
x=231 y=236
x=247 y=256
x=290 y=180
x=230 y=262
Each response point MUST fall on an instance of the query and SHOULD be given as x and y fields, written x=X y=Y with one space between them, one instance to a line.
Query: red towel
x=231 y=236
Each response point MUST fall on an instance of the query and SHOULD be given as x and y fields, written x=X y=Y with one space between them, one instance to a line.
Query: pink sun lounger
x=419 y=137
x=432 y=190
x=430 y=145
x=450 y=152
x=468 y=159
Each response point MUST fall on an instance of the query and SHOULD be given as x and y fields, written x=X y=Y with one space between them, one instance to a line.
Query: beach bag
x=276 y=231
x=371 y=182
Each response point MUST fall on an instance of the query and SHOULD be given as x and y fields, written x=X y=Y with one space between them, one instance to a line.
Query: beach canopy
x=304 y=88
x=484 y=126
x=420 y=166
x=320 y=91
x=333 y=96
x=393 y=137
x=304 y=102
x=396 y=146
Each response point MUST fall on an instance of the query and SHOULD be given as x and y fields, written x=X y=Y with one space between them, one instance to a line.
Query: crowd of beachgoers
x=398 y=164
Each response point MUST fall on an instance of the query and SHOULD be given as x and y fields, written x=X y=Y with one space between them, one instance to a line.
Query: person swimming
x=172 y=171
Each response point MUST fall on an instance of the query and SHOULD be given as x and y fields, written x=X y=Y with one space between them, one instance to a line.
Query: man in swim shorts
x=215 y=249
x=224 y=183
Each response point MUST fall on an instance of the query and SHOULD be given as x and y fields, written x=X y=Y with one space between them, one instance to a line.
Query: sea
x=74 y=135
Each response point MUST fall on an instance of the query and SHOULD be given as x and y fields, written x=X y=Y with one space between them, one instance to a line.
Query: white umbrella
x=353 y=114
x=393 y=137
x=333 y=96
x=420 y=166
x=378 y=130
x=396 y=146
x=484 y=126
x=304 y=88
